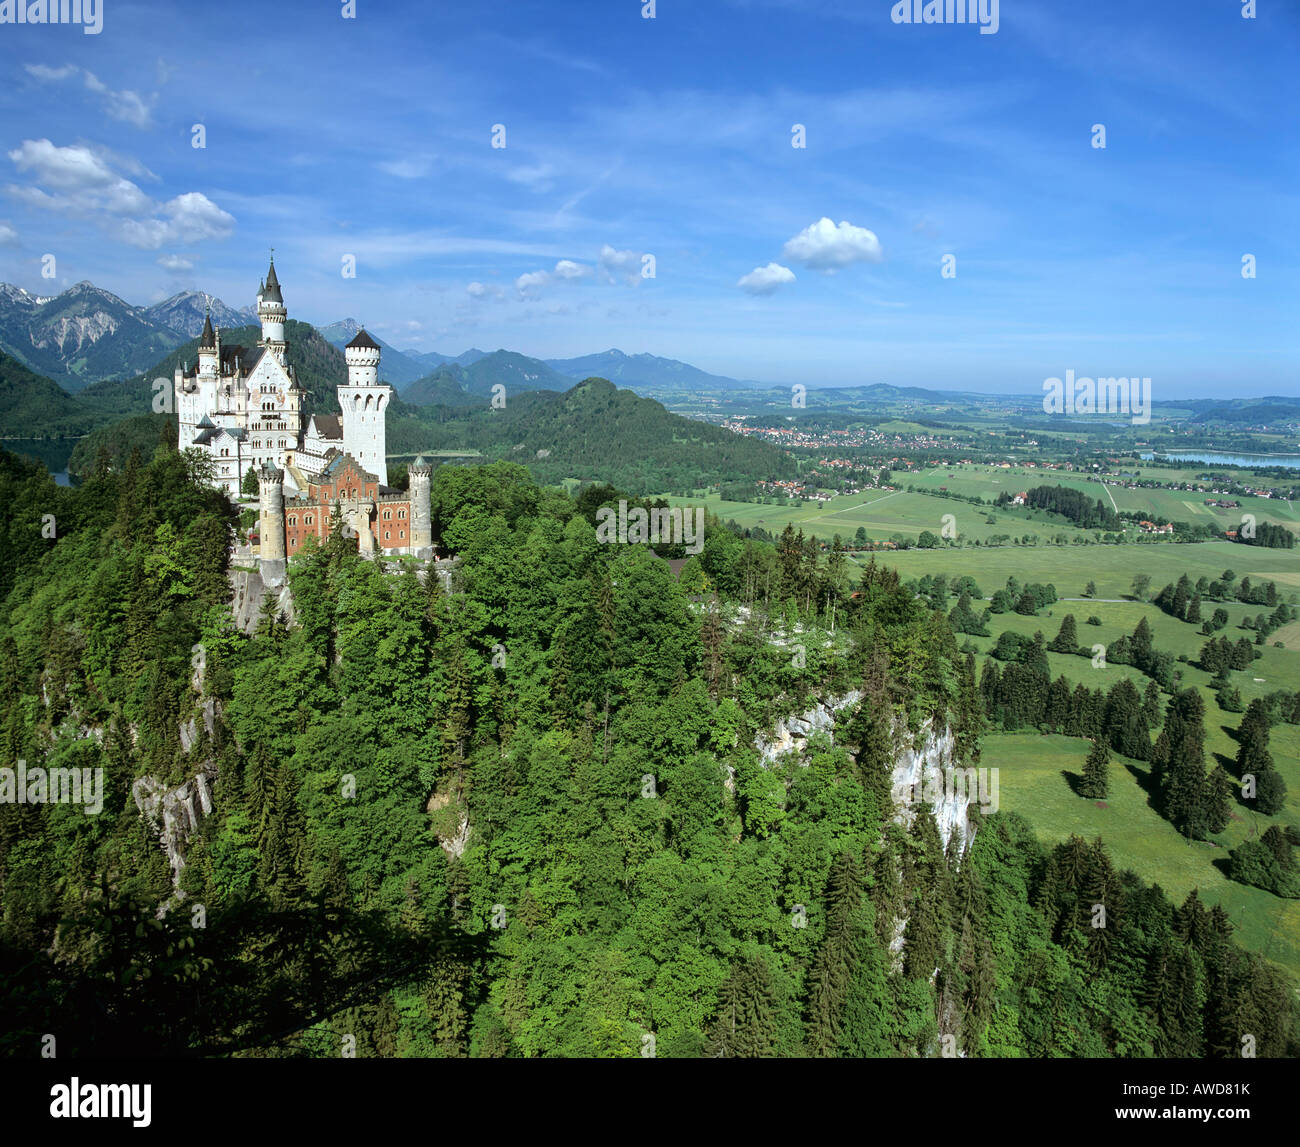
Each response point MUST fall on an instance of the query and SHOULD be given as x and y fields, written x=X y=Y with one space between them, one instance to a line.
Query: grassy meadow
x=1036 y=771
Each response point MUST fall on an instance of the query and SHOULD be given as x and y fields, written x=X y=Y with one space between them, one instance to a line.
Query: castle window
x=401 y=513
x=401 y=533
x=307 y=520
x=293 y=521
x=388 y=514
x=387 y=535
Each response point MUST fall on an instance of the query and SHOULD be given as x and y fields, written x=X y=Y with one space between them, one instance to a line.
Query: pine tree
x=1217 y=800
x=1067 y=640
x=1096 y=780
x=833 y=966
x=1151 y=705
x=745 y=1027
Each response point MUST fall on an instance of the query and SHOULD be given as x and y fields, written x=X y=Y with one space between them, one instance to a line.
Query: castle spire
x=271 y=290
x=207 y=338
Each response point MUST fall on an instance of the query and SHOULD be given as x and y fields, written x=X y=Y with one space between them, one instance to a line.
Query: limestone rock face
x=249 y=590
x=174 y=814
x=920 y=771
x=792 y=733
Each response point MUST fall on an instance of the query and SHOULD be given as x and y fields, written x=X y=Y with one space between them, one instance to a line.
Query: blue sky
x=671 y=137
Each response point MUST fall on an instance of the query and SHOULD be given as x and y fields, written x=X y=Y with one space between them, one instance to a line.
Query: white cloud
x=66 y=168
x=826 y=246
x=625 y=265
x=568 y=269
x=45 y=72
x=537 y=177
x=126 y=105
x=412 y=167
x=175 y=263
x=479 y=290
x=188 y=218
x=82 y=182
x=8 y=236
x=531 y=281
x=765 y=280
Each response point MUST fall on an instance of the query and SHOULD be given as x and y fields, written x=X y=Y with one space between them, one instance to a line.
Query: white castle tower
x=272 y=314
x=364 y=403
x=270 y=525
x=421 y=510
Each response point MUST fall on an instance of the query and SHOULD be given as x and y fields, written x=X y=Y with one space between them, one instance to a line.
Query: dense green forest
x=524 y=816
x=595 y=432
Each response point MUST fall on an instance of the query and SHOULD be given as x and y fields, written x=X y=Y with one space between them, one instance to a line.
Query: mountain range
x=86 y=334
x=646 y=371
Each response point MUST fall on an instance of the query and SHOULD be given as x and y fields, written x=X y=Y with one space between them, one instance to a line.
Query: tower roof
x=361 y=339
x=207 y=338
x=271 y=292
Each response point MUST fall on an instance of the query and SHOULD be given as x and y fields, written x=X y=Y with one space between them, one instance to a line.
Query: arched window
x=293 y=520
x=401 y=513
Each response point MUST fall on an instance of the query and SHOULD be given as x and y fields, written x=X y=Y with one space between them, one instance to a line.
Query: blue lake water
x=1290 y=461
x=53 y=452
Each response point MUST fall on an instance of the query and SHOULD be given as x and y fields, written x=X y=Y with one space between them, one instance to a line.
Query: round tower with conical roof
x=421 y=515
x=271 y=312
x=270 y=523
x=364 y=403
x=209 y=348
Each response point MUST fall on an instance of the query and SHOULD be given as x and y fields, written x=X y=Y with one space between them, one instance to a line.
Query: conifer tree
x=745 y=1027
x=833 y=965
x=1096 y=780
x=1067 y=640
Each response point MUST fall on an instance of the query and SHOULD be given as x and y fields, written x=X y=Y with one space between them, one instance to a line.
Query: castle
x=244 y=409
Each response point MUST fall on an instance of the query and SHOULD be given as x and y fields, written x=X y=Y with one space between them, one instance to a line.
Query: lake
x=52 y=452
x=1289 y=461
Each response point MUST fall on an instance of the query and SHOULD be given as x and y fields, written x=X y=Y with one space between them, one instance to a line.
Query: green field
x=1033 y=767
x=1112 y=568
x=885 y=512
x=1032 y=781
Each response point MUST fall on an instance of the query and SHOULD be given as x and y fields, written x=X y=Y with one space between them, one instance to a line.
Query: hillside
x=34 y=406
x=516 y=372
x=593 y=431
x=441 y=388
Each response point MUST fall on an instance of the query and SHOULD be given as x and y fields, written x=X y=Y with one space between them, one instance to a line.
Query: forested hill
x=36 y=405
x=592 y=431
x=527 y=818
